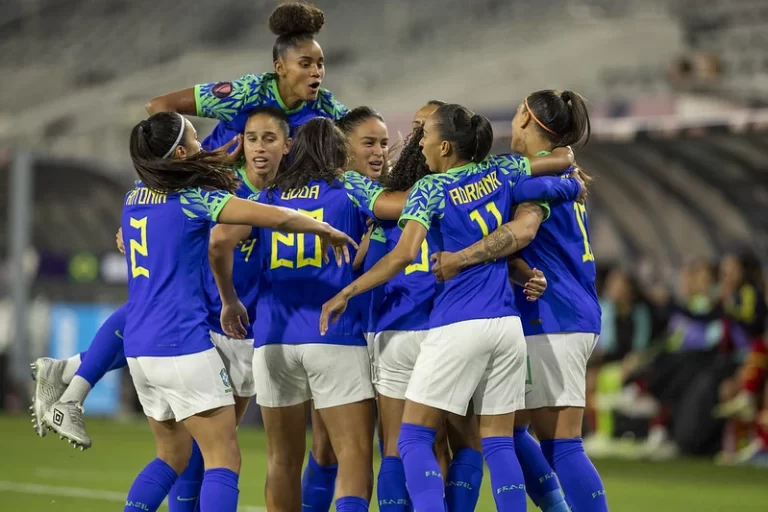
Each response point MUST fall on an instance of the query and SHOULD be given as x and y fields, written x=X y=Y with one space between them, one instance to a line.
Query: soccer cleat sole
x=75 y=444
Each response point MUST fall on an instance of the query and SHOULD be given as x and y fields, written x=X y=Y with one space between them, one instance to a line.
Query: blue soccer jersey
x=561 y=250
x=166 y=242
x=408 y=297
x=295 y=281
x=462 y=206
x=232 y=102
x=377 y=249
x=246 y=271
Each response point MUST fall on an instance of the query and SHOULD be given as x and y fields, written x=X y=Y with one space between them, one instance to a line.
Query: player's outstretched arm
x=182 y=101
x=506 y=240
x=241 y=211
x=406 y=250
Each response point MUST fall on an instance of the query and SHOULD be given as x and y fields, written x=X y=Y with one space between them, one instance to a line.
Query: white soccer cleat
x=66 y=419
x=49 y=387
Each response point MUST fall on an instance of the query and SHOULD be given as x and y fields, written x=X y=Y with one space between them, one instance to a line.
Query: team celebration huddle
x=432 y=296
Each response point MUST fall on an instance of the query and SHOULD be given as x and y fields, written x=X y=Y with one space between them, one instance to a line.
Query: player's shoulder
x=509 y=163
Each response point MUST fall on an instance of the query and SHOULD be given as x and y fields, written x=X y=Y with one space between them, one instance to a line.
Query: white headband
x=178 y=139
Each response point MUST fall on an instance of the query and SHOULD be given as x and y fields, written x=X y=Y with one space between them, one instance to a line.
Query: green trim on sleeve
x=547 y=210
x=220 y=206
x=404 y=218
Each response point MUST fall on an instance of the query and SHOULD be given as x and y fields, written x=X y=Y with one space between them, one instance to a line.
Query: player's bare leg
x=442 y=450
x=286 y=443
x=241 y=405
x=350 y=428
x=322 y=450
x=216 y=435
x=173 y=443
x=390 y=418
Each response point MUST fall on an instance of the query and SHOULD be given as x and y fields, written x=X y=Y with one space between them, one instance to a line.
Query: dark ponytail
x=151 y=142
x=411 y=165
x=319 y=154
x=470 y=134
x=562 y=116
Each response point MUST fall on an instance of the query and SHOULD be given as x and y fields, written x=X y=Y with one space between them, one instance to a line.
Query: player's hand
x=337 y=240
x=576 y=174
x=235 y=156
x=446 y=265
x=331 y=311
x=119 y=240
x=535 y=286
x=234 y=318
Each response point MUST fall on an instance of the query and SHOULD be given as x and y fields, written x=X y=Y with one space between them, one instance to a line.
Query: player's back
x=295 y=280
x=166 y=241
x=561 y=250
x=465 y=205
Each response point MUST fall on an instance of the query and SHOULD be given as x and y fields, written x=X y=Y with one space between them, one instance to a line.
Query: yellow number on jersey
x=581 y=216
x=423 y=264
x=247 y=248
x=491 y=208
x=291 y=239
x=139 y=248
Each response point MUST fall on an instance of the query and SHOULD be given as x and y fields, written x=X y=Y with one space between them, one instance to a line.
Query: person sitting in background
x=744 y=306
x=625 y=335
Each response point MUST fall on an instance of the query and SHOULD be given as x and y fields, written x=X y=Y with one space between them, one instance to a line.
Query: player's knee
x=175 y=455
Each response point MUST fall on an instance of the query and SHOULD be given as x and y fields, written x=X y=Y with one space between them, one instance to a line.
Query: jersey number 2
x=297 y=240
x=139 y=248
x=581 y=218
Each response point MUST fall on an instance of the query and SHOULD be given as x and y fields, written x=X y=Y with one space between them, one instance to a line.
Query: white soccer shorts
x=178 y=387
x=394 y=356
x=330 y=375
x=238 y=360
x=558 y=369
x=478 y=360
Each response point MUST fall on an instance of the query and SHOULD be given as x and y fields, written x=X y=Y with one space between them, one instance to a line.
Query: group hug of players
x=288 y=257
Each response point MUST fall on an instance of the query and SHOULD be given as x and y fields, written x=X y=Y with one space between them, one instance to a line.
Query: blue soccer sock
x=465 y=475
x=391 y=492
x=422 y=472
x=185 y=493
x=106 y=350
x=317 y=486
x=219 y=492
x=351 y=504
x=580 y=481
x=540 y=480
x=507 y=480
x=151 y=487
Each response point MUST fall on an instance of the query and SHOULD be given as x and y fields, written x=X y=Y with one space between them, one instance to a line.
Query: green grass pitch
x=48 y=475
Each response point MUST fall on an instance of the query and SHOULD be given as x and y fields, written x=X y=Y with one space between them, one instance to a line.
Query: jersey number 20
x=581 y=217
x=139 y=248
x=297 y=240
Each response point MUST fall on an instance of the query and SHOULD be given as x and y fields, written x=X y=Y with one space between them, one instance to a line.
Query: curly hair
x=293 y=23
x=411 y=165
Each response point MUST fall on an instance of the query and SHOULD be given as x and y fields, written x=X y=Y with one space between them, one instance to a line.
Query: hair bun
x=296 y=18
x=566 y=96
x=146 y=126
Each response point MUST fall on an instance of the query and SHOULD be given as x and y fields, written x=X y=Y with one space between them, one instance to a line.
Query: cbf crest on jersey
x=225 y=380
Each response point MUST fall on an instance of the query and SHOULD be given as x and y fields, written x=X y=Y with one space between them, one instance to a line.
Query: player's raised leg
x=64 y=414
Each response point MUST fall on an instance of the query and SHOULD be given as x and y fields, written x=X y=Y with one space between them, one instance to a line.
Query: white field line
x=86 y=494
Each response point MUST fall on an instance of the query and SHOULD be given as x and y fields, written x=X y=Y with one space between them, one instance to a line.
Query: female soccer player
x=294 y=86
x=166 y=222
x=562 y=327
x=455 y=204
x=265 y=143
x=292 y=362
